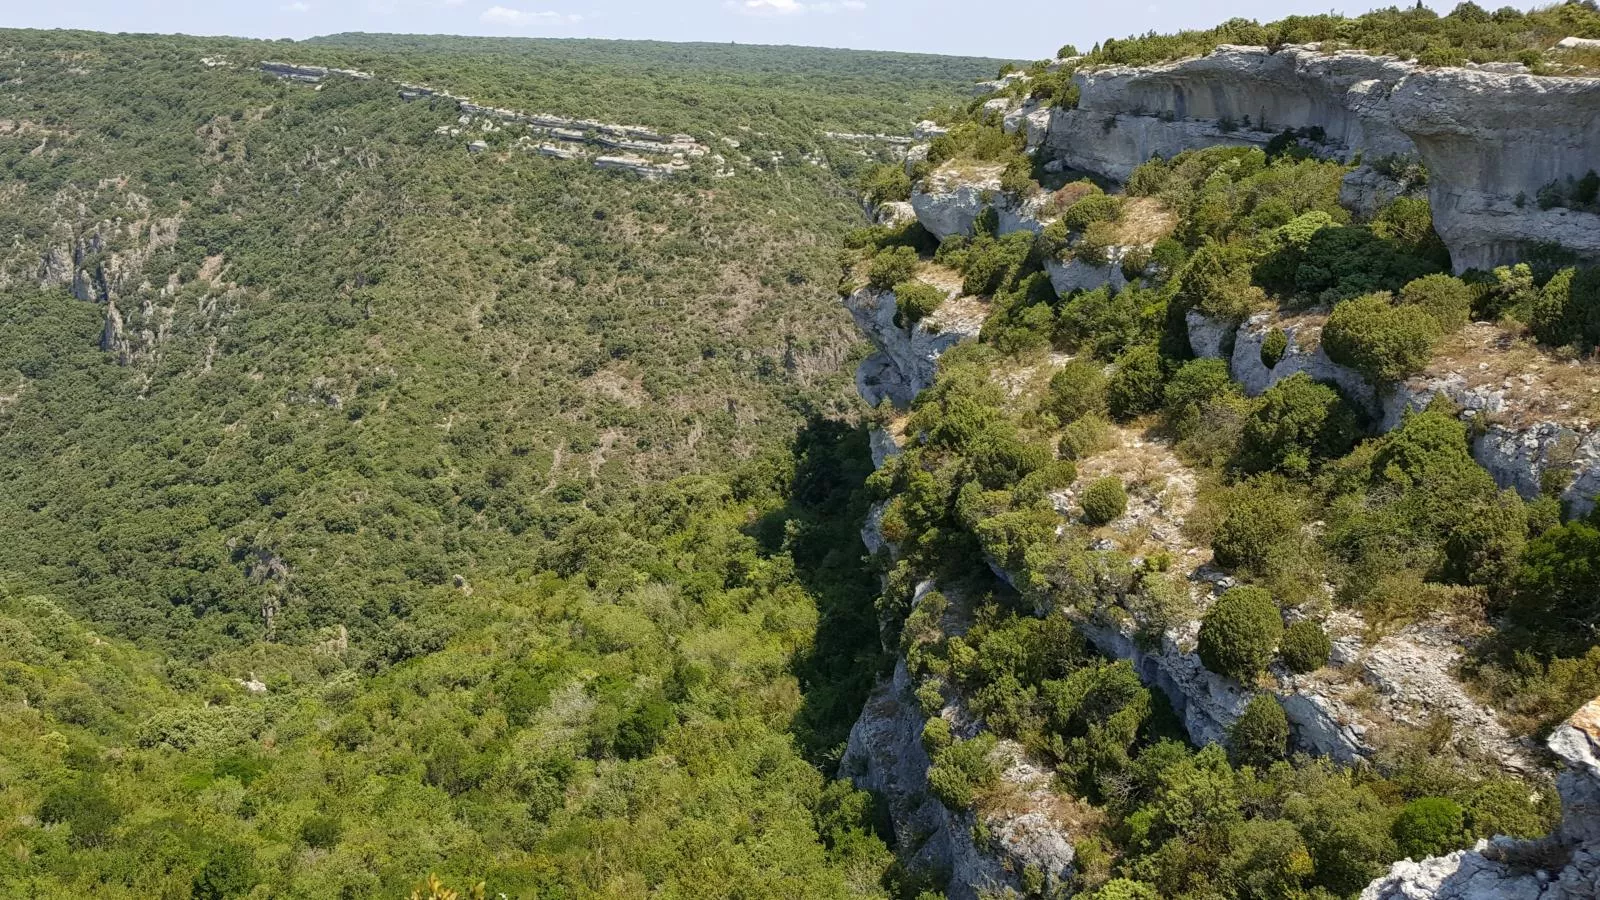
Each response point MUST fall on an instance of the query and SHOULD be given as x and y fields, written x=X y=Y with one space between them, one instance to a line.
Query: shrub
x=1383 y=342
x=1240 y=632
x=1259 y=523
x=991 y=264
x=1446 y=299
x=1136 y=383
x=1567 y=310
x=890 y=266
x=1216 y=281
x=1104 y=500
x=1196 y=384
x=936 y=735
x=86 y=808
x=642 y=729
x=1098 y=207
x=1273 y=346
x=1430 y=826
x=1124 y=889
x=962 y=770
x=228 y=872
x=1105 y=323
x=885 y=182
x=914 y=301
x=1076 y=390
x=1260 y=736
x=1306 y=647
x=1085 y=437
x=1296 y=424
x=1556 y=591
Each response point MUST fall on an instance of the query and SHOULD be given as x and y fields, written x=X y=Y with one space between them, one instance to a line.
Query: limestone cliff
x=1490 y=138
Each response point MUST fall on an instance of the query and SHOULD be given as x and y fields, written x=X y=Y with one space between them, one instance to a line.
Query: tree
x=1104 y=500
x=1430 y=826
x=229 y=872
x=1556 y=592
x=1240 y=632
x=1383 y=342
x=1296 y=424
x=1260 y=736
x=1306 y=647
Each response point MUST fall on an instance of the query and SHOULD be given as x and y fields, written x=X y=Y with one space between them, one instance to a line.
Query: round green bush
x=1273 y=346
x=1125 y=889
x=914 y=301
x=1260 y=523
x=1430 y=826
x=1076 y=390
x=1104 y=500
x=1383 y=342
x=1305 y=646
x=1445 y=298
x=1240 y=632
x=891 y=266
x=1260 y=736
x=1296 y=423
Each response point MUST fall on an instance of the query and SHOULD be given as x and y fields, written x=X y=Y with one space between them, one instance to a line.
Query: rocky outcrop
x=885 y=755
x=1365 y=191
x=907 y=359
x=948 y=202
x=1522 y=450
x=1490 y=142
x=1077 y=275
x=1563 y=866
x=1490 y=136
x=1236 y=95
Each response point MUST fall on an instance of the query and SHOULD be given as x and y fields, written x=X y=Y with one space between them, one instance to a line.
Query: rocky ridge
x=620 y=147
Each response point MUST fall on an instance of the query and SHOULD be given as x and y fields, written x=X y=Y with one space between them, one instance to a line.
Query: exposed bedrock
x=1490 y=139
x=1490 y=142
x=907 y=359
x=1563 y=866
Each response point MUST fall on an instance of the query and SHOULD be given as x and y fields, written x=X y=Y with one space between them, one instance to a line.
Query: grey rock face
x=907 y=358
x=947 y=205
x=1500 y=869
x=1077 y=275
x=1304 y=354
x=1365 y=191
x=1490 y=138
x=1209 y=338
x=1236 y=95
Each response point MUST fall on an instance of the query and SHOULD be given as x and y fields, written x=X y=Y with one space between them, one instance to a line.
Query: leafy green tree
x=1240 y=633
x=1296 y=424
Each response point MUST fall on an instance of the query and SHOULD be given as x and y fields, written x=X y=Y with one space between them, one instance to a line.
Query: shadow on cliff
x=819 y=527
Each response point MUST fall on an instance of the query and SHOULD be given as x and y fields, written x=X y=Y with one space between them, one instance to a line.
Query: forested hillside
x=370 y=507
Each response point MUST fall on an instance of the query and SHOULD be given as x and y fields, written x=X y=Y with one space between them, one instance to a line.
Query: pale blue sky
x=1027 y=29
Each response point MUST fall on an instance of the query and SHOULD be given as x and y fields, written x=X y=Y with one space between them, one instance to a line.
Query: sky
x=1017 y=29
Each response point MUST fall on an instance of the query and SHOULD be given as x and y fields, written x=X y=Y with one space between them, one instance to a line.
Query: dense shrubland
x=481 y=514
